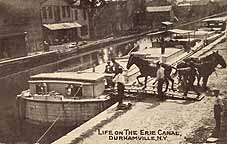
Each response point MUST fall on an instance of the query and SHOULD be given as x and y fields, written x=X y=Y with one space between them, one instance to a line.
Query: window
x=44 y=13
x=63 y=12
x=84 y=30
x=76 y=15
x=68 y=11
x=84 y=14
x=50 y=12
x=73 y=90
x=57 y=13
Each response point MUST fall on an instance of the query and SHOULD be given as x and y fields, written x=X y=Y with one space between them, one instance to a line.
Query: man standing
x=218 y=105
x=119 y=80
x=162 y=44
x=108 y=70
x=116 y=67
x=160 y=80
x=189 y=79
x=46 y=46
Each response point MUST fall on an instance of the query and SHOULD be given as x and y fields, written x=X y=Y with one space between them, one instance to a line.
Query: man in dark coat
x=218 y=105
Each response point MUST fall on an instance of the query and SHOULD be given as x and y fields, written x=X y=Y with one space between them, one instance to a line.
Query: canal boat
x=217 y=24
x=70 y=98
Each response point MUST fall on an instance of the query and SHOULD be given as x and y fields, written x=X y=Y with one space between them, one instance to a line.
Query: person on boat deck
x=109 y=70
x=116 y=67
x=69 y=90
x=42 y=89
x=120 y=81
x=160 y=80
x=218 y=108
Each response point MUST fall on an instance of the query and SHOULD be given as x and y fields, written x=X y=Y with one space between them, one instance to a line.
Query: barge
x=70 y=98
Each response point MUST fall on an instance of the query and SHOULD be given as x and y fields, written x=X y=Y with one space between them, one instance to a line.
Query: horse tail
x=175 y=73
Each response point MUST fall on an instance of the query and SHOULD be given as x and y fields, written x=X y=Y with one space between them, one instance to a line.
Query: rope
x=49 y=128
x=55 y=121
x=77 y=91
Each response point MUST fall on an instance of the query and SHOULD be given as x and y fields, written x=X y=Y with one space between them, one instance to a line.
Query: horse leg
x=145 y=83
x=172 y=81
x=138 y=79
x=167 y=84
x=198 y=80
x=191 y=84
x=179 y=78
x=195 y=90
x=186 y=87
x=205 y=80
x=184 y=82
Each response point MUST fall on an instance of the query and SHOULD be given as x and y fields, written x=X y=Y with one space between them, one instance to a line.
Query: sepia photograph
x=113 y=72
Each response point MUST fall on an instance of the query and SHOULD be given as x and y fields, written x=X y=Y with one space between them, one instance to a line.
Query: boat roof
x=179 y=31
x=159 y=8
x=69 y=76
x=184 y=39
x=167 y=23
x=220 y=19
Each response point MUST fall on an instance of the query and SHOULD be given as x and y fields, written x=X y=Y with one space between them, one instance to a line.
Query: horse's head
x=130 y=61
x=219 y=59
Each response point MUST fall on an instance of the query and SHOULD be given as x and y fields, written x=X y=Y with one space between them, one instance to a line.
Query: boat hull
x=66 y=113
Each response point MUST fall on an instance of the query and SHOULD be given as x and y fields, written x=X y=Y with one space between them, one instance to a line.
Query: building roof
x=159 y=8
x=200 y=2
x=58 y=26
x=221 y=19
x=179 y=31
x=183 y=4
x=167 y=23
x=193 y=3
x=69 y=76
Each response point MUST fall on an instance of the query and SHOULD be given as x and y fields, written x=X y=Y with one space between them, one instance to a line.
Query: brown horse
x=205 y=66
x=149 y=70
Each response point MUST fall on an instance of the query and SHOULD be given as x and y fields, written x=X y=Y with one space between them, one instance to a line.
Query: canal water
x=14 y=131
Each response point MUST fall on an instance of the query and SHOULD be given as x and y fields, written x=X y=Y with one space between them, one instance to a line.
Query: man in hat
x=115 y=67
x=160 y=79
x=120 y=81
x=218 y=108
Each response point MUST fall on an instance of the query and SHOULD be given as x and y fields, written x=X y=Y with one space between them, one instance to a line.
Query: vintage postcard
x=113 y=71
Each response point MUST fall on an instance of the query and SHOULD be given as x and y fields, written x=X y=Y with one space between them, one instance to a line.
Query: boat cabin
x=68 y=84
x=214 y=24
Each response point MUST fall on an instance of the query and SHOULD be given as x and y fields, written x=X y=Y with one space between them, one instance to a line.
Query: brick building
x=63 y=23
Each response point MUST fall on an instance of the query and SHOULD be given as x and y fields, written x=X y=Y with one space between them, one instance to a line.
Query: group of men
x=119 y=79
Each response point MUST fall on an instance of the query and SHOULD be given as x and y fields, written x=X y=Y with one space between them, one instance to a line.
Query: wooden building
x=157 y=14
x=63 y=23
